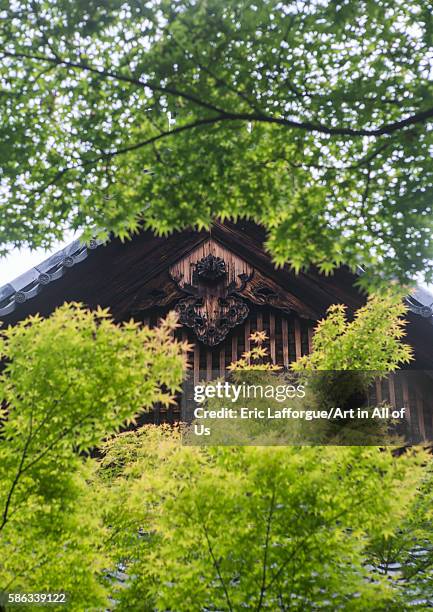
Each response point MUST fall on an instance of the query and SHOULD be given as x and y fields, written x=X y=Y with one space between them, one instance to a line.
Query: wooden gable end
x=219 y=307
x=222 y=278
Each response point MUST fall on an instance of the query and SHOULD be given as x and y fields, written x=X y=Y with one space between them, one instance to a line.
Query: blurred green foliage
x=312 y=118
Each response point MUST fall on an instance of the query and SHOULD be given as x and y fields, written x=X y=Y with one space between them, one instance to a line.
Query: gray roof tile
x=28 y=285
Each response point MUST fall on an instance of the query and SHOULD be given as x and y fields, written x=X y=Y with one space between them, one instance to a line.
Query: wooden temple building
x=224 y=286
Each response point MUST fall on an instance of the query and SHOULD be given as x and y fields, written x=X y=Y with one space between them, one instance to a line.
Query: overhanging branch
x=310 y=126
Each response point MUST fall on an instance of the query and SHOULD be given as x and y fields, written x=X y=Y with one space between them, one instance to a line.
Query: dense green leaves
x=405 y=557
x=372 y=341
x=311 y=118
x=258 y=528
x=68 y=382
x=195 y=528
x=299 y=528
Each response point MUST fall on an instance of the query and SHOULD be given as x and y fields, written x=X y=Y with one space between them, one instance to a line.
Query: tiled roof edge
x=28 y=285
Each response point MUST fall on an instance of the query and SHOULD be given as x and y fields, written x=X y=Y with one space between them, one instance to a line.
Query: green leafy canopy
x=68 y=382
x=260 y=528
x=312 y=118
x=196 y=528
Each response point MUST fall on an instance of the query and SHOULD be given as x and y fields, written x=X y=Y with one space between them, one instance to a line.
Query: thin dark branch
x=216 y=565
x=54 y=443
x=387 y=128
x=303 y=542
x=26 y=573
x=150 y=141
x=335 y=131
x=61 y=62
x=18 y=474
x=49 y=412
x=369 y=158
x=307 y=165
x=133 y=147
x=265 y=555
x=23 y=468
x=218 y=81
x=41 y=31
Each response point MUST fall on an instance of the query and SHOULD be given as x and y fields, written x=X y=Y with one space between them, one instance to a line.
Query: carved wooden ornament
x=212 y=279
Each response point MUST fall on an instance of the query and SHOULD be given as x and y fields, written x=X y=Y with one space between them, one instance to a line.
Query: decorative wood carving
x=264 y=291
x=217 y=286
x=230 y=311
x=213 y=280
x=210 y=268
x=160 y=292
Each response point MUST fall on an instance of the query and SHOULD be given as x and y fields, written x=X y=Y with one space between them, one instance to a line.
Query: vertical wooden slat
x=379 y=391
x=185 y=341
x=392 y=400
x=406 y=401
x=272 y=337
x=196 y=363
x=208 y=364
x=259 y=321
x=420 y=411
x=310 y=338
x=431 y=414
x=285 y=335
x=234 y=347
x=247 y=331
x=222 y=360
x=298 y=347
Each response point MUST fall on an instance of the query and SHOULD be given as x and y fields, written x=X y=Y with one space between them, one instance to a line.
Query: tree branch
x=18 y=474
x=133 y=147
x=61 y=62
x=265 y=555
x=188 y=126
x=311 y=126
x=216 y=565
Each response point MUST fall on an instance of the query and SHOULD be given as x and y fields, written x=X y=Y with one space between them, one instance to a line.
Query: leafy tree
x=256 y=359
x=313 y=118
x=275 y=528
x=68 y=382
x=372 y=341
x=346 y=359
x=405 y=556
x=348 y=356
x=221 y=527
x=228 y=528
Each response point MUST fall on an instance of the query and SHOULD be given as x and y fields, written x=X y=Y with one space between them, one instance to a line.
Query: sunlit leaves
x=371 y=341
x=254 y=527
x=68 y=382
